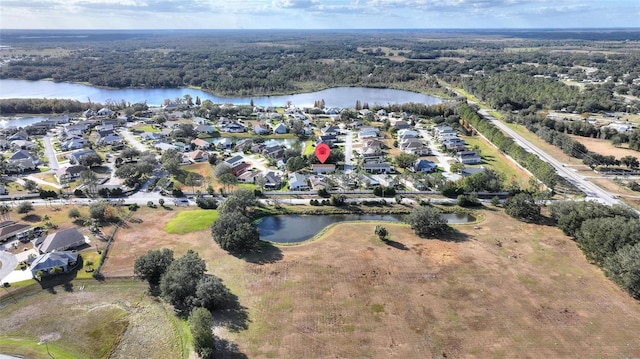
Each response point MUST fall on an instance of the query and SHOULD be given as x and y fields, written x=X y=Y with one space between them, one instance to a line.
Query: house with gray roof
x=60 y=241
x=45 y=263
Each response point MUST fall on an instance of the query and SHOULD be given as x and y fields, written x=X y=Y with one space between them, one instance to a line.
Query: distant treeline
x=45 y=106
x=260 y=63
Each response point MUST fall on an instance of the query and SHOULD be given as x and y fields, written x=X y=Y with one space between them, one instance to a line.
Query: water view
x=334 y=97
x=297 y=228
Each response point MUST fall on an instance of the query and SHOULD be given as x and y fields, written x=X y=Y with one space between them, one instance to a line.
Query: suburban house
x=200 y=144
x=323 y=168
x=235 y=160
x=248 y=176
x=225 y=143
x=401 y=124
x=276 y=152
x=239 y=168
x=3 y=190
x=198 y=156
x=105 y=112
x=69 y=173
x=60 y=241
x=110 y=140
x=414 y=146
x=163 y=146
x=455 y=144
x=23 y=155
x=9 y=229
x=329 y=140
x=23 y=145
x=424 y=166
x=234 y=127
x=330 y=130
x=317 y=182
x=45 y=263
x=204 y=129
x=261 y=129
x=279 y=128
x=368 y=132
x=468 y=171
x=20 y=135
x=298 y=182
x=376 y=167
x=469 y=157
x=74 y=143
x=272 y=181
x=75 y=156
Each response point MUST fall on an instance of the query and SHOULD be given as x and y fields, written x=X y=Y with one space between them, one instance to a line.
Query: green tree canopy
x=153 y=265
x=179 y=283
x=426 y=221
x=201 y=327
x=522 y=206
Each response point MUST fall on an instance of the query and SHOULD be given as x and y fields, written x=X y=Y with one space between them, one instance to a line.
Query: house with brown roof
x=9 y=229
x=200 y=144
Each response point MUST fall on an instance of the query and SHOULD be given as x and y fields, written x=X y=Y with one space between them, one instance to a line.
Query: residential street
x=133 y=142
x=50 y=153
x=348 y=152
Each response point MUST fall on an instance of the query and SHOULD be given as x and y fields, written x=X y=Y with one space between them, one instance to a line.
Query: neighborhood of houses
x=58 y=148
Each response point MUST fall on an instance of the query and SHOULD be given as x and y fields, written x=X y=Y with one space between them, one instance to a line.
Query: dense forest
x=509 y=70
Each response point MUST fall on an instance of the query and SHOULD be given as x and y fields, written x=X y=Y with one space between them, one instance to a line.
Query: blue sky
x=316 y=14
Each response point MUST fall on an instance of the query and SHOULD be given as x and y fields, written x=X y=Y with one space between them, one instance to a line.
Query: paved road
x=133 y=141
x=9 y=263
x=348 y=152
x=50 y=153
x=590 y=189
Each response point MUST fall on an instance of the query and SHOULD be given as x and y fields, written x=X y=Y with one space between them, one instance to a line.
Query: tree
x=201 y=327
x=624 y=268
x=24 y=207
x=630 y=161
x=221 y=169
x=171 y=160
x=30 y=185
x=179 y=282
x=381 y=232
x=405 y=160
x=89 y=179
x=130 y=153
x=426 y=221
x=296 y=163
x=600 y=238
x=74 y=213
x=234 y=232
x=228 y=180
x=5 y=209
x=161 y=202
x=522 y=206
x=153 y=265
x=91 y=160
x=211 y=293
x=191 y=180
x=101 y=211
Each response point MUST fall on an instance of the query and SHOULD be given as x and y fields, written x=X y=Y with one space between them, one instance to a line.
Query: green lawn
x=309 y=149
x=491 y=159
x=191 y=221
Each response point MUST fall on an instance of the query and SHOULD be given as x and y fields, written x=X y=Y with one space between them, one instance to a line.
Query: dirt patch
x=605 y=147
x=348 y=294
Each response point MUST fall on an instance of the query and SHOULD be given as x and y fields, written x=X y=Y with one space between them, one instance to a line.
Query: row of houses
x=449 y=140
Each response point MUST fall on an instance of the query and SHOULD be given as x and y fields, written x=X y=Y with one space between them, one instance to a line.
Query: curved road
x=590 y=189
x=9 y=263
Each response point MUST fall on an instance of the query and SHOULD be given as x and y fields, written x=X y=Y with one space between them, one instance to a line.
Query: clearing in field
x=500 y=288
x=191 y=221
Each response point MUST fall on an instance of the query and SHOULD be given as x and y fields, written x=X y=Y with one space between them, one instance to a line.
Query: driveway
x=9 y=263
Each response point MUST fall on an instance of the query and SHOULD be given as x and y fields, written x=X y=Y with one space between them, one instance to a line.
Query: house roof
x=53 y=259
x=70 y=170
x=65 y=238
x=200 y=142
x=11 y=229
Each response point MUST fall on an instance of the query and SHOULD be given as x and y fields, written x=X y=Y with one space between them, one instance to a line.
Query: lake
x=297 y=228
x=333 y=97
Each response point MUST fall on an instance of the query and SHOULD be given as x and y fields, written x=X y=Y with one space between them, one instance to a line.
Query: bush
x=177 y=192
x=78 y=193
x=323 y=193
x=133 y=207
x=207 y=203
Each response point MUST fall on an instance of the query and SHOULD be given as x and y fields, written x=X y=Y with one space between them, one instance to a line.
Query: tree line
x=608 y=235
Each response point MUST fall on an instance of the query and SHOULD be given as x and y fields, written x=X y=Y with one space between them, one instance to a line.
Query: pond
x=298 y=228
x=333 y=97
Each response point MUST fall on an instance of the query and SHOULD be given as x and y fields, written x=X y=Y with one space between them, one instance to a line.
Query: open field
x=605 y=147
x=191 y=221
x=347 y=294
x=89 y=319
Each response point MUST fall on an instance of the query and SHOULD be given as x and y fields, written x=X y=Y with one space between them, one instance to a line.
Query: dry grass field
x=349 y=295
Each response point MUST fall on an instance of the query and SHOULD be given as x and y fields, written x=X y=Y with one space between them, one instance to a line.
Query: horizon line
x=324 y=29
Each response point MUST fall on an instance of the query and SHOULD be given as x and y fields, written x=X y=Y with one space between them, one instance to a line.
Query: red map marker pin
x=322 y=152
